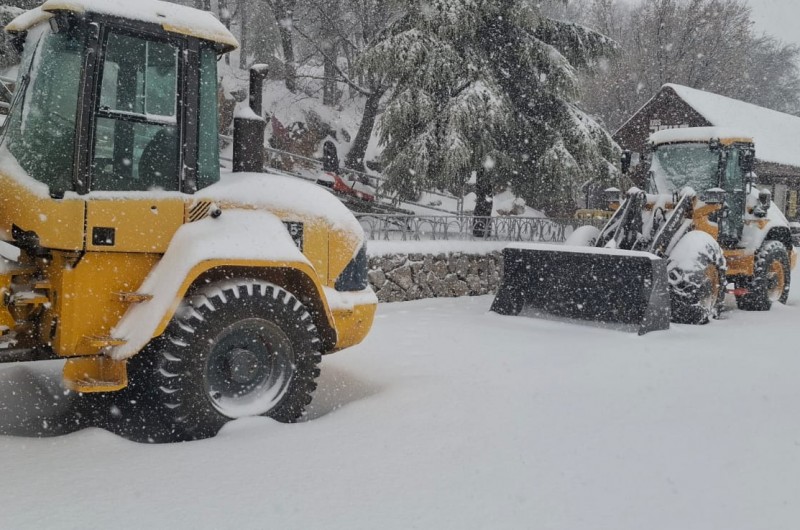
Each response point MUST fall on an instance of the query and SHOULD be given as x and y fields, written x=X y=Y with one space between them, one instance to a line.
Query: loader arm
x=625 y=226
x=673 y=224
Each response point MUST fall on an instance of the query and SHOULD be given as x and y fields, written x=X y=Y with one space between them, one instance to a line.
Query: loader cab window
x=136 y=145
x=735 y=200
x=208 y=133
x=734 y=175
x=677 y=166
x=40 y=132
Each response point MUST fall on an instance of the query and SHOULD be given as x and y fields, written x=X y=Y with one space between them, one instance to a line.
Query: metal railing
x=376 y=182
x=381 y=227
x=448 y=226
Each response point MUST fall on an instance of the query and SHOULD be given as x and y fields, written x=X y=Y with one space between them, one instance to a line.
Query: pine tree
x=489 y=88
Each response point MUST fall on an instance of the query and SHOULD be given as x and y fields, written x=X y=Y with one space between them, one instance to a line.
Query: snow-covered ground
x=451 y=417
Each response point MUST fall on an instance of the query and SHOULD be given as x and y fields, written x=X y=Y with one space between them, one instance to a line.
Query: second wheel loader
x=668 y=253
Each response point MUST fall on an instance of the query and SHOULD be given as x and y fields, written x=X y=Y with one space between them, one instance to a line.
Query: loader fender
x=247 y=240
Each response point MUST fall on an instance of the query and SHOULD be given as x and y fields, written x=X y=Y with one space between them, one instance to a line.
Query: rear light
x=354 y=276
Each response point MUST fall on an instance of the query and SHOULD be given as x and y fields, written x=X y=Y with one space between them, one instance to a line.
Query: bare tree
x=705 y=44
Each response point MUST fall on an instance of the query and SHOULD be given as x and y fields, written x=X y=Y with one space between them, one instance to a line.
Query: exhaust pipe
x=249 y=127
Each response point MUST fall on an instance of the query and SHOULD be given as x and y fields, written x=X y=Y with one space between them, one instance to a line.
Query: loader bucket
x=595 y=284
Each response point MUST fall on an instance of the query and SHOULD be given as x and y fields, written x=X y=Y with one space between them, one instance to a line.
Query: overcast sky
x=780 y=18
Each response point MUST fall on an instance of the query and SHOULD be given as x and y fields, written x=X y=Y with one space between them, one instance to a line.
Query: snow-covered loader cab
x=668 y=253
x=126 y=252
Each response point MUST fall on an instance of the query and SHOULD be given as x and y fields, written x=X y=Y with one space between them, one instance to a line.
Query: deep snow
x=451 y=417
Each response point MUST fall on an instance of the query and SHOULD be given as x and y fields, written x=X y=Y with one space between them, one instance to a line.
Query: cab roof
x=173 y=18
x=725 y=136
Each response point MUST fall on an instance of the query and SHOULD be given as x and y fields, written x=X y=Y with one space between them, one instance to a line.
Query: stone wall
x=402 y=277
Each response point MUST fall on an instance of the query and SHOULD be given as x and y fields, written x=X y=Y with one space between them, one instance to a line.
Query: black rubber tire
x=762 y=287
x=203 y=347
x=697 y=283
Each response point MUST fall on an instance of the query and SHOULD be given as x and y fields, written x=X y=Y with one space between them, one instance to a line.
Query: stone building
x=776 y=136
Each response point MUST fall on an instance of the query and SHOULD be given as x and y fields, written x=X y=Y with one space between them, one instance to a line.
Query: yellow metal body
x=58 y=224
x=86 y=297
x=97 y=373
x=76 y=296
x=84 y=288
x=353 y=325
x=740 y=262
x=588 y=214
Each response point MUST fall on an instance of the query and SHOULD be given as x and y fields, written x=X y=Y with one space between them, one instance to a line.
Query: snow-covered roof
x=171 y=17
x=776 y=135
x=726 y=135
x=27 y=20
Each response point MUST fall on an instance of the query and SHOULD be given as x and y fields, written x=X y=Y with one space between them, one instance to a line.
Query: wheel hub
x=775 y=281
x=242 y=365
x=249 y=368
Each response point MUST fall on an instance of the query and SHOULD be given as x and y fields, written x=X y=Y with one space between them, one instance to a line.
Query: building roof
x=171 y=17
x=776 y=134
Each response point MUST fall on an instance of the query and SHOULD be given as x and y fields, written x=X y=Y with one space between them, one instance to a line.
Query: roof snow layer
x=776 y=135
x=698 y=134
x=172 y=17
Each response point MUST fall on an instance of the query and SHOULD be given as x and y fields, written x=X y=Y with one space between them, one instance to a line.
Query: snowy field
x=451 y=417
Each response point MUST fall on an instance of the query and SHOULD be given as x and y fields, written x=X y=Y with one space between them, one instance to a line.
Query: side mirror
x=17 y=41
x=612 y=196
x=747 y=160
x=764 y=200
x=626 y=161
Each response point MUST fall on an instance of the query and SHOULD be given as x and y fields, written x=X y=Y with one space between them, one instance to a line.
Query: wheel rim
x=709 y=302
x=249 y=368
x=776 y=281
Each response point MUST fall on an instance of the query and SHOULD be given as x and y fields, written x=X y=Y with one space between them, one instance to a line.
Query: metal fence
x=449 y=225
x=374 y=181
x=379 y=227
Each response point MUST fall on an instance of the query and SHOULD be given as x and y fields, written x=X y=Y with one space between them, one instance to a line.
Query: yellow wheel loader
x=669 y=253
x=127 y=253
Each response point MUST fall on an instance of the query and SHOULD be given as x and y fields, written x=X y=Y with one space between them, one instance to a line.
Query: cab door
x=134 y=202
x=732 y=224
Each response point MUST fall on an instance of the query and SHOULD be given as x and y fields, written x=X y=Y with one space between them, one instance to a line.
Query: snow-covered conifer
x=489 y=87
